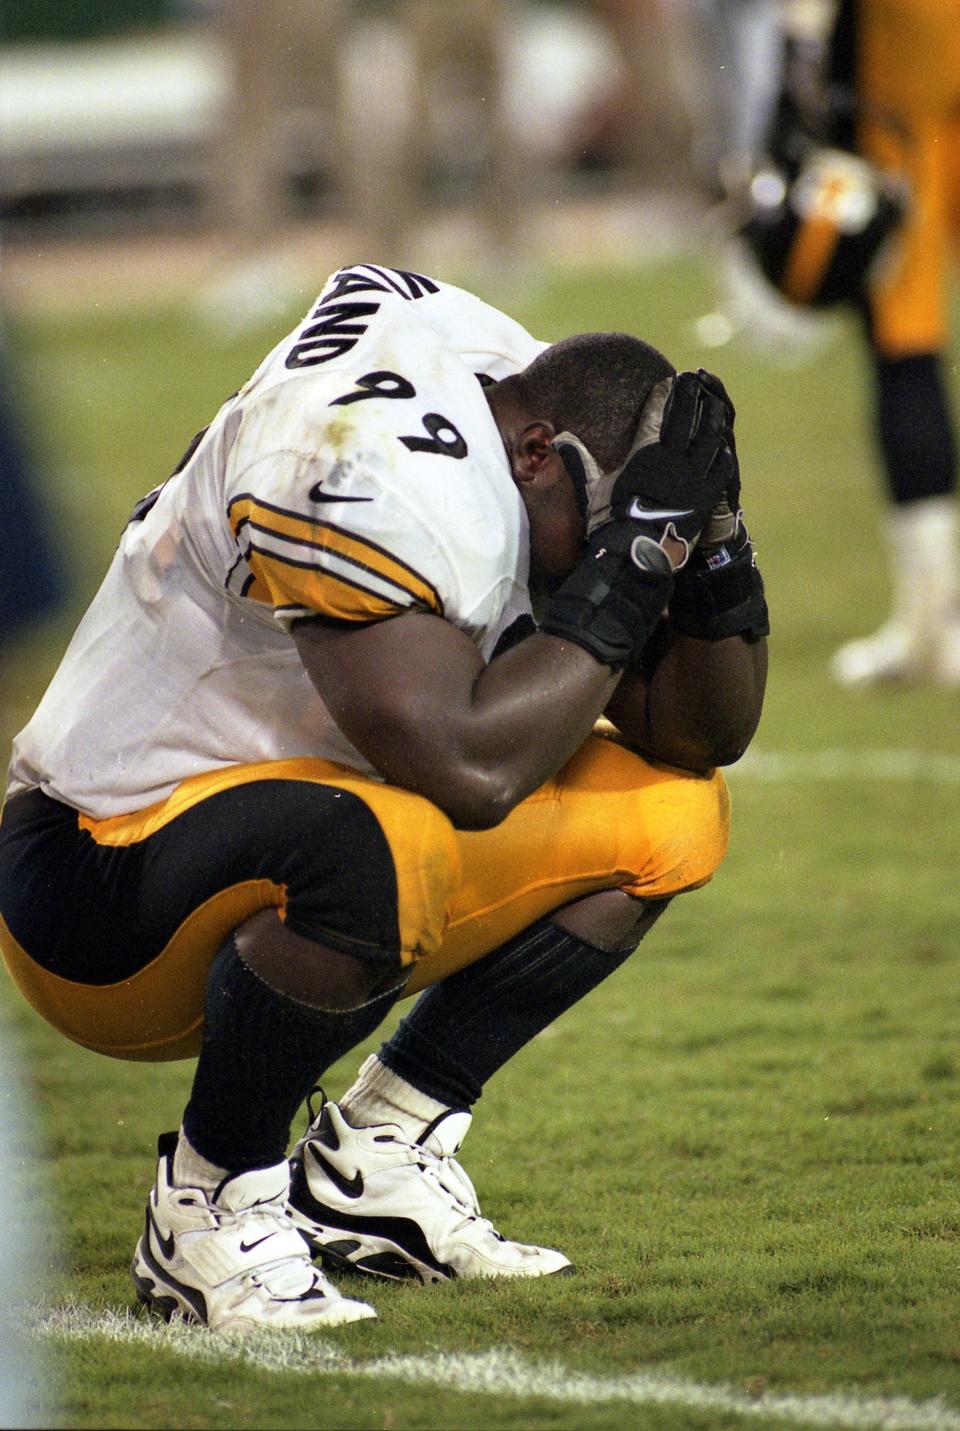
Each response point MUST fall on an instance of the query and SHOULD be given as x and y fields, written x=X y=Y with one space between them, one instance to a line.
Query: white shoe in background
x=920 y=644
x=895 y=655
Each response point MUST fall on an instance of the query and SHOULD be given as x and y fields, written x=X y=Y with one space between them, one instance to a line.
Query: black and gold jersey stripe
x=302 y=564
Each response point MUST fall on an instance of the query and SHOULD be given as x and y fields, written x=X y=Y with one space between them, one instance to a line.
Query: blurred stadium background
x=177 y=178
x=165 y=113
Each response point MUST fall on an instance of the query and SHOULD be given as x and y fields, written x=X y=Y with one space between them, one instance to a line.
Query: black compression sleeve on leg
x=462 y=1030
x=915 y=427
x=262 y=1053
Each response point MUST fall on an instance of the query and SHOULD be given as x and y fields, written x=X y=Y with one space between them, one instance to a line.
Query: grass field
x=747 y=1140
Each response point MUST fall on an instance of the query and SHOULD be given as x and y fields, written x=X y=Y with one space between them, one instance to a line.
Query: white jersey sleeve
x=320 y=528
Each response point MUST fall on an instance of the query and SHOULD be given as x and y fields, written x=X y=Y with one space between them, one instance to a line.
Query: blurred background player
x=736 y=45
x=881 y=79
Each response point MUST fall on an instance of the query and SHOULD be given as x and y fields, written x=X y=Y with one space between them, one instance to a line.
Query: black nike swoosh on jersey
x=350 y=1187
x=317 y=494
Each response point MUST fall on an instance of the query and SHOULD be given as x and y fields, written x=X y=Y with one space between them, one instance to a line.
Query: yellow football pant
x=607 y=820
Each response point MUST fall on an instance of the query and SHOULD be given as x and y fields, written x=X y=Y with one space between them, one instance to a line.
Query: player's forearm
x=432 y=717
x=701 y=706
x=491 y=744
x=530 y=710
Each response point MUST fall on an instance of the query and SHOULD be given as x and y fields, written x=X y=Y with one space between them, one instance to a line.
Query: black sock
x=915 y=428
x=461 y=1031
x=262 y=1053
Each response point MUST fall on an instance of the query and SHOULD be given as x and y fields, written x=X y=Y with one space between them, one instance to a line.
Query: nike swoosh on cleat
x=645 y=514
x=166 y=1244
x=249 y=1246
x=350 y=1187
x=317 y=494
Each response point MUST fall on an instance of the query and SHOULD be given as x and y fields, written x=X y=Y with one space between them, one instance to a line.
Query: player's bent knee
x=683 y=830
x=310 y=973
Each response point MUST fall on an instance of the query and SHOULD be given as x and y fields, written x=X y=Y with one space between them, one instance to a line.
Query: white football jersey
x=357 y=475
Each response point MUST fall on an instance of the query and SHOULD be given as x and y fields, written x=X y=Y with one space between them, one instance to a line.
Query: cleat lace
x=445 y=1173
x=283 y=1269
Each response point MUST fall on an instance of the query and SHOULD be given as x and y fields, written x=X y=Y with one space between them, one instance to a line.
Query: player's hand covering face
x=679 y=464
x=682 y=460
x=644 y=518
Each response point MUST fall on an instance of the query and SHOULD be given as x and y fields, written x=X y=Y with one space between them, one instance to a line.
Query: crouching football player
x=328 y=736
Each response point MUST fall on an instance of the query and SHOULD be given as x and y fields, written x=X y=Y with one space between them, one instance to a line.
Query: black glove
x=677 y=469
x=614 y=596
x=679 y=465
x=720 y=593
x=721 y=524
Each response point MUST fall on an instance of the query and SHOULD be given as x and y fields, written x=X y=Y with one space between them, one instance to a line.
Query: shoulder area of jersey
x=398 y=283
x=362 y=318
x=349 y=302
x=366 y=299
x=379 y=284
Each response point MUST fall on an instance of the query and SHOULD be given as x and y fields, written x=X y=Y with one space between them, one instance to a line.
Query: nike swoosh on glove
x=680 y=464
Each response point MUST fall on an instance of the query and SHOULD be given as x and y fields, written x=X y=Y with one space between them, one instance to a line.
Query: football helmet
x=818 y=233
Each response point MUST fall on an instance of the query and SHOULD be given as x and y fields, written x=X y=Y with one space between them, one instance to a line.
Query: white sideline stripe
x=777 y=765
x=496 y=1372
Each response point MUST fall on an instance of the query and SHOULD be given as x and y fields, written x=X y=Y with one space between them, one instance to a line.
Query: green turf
x=747 y=1138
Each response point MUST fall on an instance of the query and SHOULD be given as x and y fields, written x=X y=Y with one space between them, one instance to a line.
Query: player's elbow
x=478 y=798
x=724 y=746
x=701 y=747
x=730 y=753
x=727 y=739
x=479 y=811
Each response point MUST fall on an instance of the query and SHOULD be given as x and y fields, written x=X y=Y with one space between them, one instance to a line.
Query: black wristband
x=719 y=593
x=614 y=597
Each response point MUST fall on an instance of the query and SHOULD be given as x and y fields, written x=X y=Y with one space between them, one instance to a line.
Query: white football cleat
x=369 y=1201
x=899 y=655
x=920 y=643
x=234 y=1260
